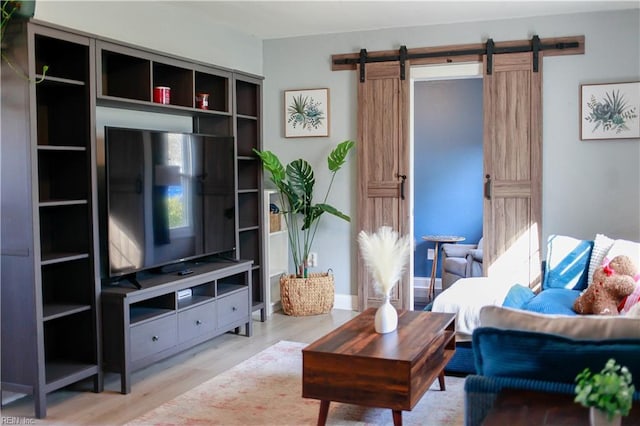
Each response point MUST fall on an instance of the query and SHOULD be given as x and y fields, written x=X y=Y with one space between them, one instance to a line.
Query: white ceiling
x=281 y=19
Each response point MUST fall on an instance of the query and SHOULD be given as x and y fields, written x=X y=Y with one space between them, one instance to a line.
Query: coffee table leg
x=441 y=380
x=397 y=417
x=324 y=411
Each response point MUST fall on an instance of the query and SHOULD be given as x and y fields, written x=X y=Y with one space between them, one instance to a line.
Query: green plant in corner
x=10 y=10
x=295 y=185
x=610 y=391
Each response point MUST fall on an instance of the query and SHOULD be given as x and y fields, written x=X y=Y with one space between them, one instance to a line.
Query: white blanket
x=466 y=297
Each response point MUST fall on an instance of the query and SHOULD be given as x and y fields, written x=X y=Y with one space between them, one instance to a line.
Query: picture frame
x=610 y=111
x=306 y=113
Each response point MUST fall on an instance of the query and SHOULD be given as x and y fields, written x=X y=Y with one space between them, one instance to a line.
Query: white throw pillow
x=627 y=248
x=601 y=246
x=585 y=327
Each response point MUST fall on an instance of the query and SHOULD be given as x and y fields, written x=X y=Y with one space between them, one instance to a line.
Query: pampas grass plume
x=385 y=254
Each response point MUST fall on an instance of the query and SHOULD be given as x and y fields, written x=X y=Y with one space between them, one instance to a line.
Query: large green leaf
x=332 y=210
x=338 y=156
x=273 y=165
x=316 y=211
x=302 y=180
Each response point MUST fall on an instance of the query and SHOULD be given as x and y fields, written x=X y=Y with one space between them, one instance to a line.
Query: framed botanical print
x=306 y=113
x=610 y=111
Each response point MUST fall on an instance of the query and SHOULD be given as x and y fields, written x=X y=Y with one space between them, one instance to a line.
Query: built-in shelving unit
x=248 y=131
x=50 y=334
x=51 y=256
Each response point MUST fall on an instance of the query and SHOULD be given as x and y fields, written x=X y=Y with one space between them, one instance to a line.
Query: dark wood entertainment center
x=142 y=326
x=61 y=320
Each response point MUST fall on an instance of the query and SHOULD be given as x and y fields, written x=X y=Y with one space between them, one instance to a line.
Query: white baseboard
x=421 y=287
x=345 y=301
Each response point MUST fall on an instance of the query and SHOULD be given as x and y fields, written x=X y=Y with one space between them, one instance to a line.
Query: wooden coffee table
x=354 y=364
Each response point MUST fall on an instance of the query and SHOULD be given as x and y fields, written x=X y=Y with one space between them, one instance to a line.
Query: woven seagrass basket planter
x=307 y=296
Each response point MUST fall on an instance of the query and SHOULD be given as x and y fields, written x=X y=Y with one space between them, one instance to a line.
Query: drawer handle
x=155 y=338
x=198 y=322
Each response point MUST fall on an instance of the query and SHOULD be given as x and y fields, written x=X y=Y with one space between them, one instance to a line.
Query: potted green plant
x=295 y=184
x=12 y=10
x=608 y=394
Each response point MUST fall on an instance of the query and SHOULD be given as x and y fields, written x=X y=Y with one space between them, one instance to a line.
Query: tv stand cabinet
x=142 y=326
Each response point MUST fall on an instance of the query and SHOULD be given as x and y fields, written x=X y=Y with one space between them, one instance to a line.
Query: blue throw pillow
x=567 y=263
x=543 y=356
x=518 y=296
x=557 y=301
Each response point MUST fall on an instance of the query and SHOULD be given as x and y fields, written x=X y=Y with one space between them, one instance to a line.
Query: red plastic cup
x=162 y=95
x=202 y=101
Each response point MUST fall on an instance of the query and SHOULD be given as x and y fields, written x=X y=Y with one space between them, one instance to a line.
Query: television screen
x=170 y=197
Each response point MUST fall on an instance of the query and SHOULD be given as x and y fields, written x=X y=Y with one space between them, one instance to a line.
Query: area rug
x=267 y=390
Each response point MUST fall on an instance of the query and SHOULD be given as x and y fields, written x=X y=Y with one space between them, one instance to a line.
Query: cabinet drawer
x=233 y=307
x=196 y=321
x=153 y=337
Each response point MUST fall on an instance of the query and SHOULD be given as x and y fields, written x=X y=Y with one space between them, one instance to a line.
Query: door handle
x=487 y=187
x=403 y=177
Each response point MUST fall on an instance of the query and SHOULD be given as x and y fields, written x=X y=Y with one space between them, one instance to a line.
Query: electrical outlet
x=431 y=254
x=313 y=259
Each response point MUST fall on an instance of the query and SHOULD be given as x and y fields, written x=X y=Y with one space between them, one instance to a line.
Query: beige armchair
x=460 y=261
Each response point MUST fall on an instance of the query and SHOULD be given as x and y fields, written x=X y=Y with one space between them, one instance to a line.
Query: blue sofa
x=538 y=351
x=537 y=361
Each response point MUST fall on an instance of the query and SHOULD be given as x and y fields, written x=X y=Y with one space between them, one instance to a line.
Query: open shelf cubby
x=247 y=137
x=125 y=76
x=57 y=106
x=217 y=87
x=152 y=308
x=65 y=59
x=57 y=183
x=247 y=98
x=199 y=294
x=68 y=345
x=64 y=229
x=178 y=80
x=248 y=173
x=248 y=211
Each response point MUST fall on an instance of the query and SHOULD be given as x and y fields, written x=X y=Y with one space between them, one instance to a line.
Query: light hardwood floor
x=167 y=379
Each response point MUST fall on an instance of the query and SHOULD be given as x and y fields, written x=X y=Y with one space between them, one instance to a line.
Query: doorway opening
x=446 y=122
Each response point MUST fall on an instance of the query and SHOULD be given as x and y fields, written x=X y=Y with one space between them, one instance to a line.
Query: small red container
x=202 y=101
x=162 y=95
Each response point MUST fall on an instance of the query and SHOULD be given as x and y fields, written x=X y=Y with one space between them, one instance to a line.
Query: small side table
x=438 y=239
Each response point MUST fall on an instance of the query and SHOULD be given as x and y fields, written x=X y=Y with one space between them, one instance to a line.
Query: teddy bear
x=612 y=282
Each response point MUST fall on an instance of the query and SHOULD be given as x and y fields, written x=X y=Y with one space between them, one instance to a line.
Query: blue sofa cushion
x=544 y=356
x=558 y=301
x=567 y=263
x=518 y=296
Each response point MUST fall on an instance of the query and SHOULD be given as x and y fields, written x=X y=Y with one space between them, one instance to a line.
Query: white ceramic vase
x=386 y=319
x=599 y=418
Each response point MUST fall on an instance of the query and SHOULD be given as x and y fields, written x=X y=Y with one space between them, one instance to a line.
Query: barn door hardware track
x=489 y=48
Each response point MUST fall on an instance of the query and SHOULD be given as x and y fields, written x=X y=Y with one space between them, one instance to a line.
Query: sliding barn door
x=513 y=168
x=383 y=166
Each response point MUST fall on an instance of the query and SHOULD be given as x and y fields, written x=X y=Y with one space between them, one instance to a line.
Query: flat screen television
x=170 y=197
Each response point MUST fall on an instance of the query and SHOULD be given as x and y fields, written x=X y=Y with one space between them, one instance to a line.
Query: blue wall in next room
x=447 y=163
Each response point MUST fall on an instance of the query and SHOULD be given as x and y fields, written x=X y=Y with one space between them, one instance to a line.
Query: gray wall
x=588 y=187
x=165 y=26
